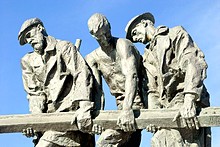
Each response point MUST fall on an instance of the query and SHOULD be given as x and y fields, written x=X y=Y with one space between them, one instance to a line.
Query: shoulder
x=28 y=60
x=178 y=30
x=63 y=44
x=66 y=47
x=27 y=57
x=126 y=48
x=123 y=43
x=92 y=57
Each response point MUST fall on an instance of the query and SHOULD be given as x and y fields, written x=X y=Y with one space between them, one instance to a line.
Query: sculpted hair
x=97 y=21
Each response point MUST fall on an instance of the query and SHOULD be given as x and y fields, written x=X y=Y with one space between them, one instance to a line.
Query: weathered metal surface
x=209 y=117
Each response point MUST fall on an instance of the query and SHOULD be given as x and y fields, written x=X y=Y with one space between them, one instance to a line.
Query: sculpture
x=176 y=69
x=119 y=62
x=171 y=73
x=56 y=79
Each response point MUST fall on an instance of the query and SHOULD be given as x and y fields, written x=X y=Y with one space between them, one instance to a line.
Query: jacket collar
x=51 y=43
x=161 y=30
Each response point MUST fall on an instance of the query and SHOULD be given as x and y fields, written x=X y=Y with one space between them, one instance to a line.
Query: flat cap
x=28 y=23
x=135 y=20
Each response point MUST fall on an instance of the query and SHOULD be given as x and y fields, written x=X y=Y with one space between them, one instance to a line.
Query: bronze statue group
x=169 y=75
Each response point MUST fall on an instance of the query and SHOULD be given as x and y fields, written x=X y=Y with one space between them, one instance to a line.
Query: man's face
x=35 y=38
x=103 y=35
x=139 y=33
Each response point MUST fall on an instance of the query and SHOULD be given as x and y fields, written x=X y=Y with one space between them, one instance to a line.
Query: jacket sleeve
x=191 y=62
x=35 y=95
x=31 y=85
x=149 y=64
x=77 y=67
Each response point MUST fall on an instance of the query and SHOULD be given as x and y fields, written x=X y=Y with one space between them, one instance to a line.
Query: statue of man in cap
x=56 y=79
x=119 y=62
x=176 y=69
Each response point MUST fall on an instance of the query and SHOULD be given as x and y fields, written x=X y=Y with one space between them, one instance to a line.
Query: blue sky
x=67 y=20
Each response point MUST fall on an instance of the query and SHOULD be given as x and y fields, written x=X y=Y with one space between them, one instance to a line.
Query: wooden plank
x=209 y=117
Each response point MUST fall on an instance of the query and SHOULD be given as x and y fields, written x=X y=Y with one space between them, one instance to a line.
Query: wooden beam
x=209 y=117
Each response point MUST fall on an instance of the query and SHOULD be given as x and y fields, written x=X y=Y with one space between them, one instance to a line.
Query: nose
x=29 y=40
x=135 y=38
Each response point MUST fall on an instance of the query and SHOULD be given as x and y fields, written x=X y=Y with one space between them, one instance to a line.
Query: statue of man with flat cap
x=56 y=79
x=176 y=69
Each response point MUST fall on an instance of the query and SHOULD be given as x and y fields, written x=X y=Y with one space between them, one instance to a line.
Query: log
x=209 y=117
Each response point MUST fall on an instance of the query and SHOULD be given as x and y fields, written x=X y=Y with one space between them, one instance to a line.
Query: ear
x=109 y=26
x=39 y=27
x=144 y=22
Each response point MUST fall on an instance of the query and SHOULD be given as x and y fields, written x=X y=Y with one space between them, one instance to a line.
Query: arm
x=97 y=92
x=129 y=65
x=35 y=95
x=151 y=73
x=98 y=95
x=82 y=83
x=77 y=67
x=192 y=64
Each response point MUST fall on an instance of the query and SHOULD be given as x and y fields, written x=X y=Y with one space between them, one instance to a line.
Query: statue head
x=136 y=27
x=32 y=32
x=100 y=28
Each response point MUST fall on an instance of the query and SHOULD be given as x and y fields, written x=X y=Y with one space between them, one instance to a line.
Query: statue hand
x=97 y=129
x=188 y=113
x=83 y=118
x=29 y=132
x=152 y=128
x=126 y=120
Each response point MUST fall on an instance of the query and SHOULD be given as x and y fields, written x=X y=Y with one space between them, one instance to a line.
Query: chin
x=105 y=44
x=144 y=42
x=38 y=50
x=38 y=46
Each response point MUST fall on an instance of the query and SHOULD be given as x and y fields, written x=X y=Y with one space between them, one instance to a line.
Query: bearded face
x=35 y=38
